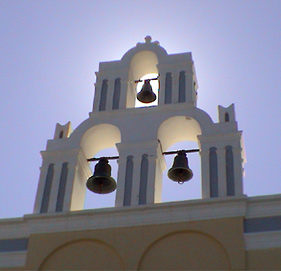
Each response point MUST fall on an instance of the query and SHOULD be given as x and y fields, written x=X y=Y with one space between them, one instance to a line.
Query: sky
x=50 y=51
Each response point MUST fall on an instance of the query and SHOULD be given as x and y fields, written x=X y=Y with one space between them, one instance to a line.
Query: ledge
x=161 y=213
x=262 y=240
x=13 y=259
x=253 y=210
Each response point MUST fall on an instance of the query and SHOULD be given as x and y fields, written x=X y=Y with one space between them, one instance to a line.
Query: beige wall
x=264 y=259
x=213 y=244
x=217 y=244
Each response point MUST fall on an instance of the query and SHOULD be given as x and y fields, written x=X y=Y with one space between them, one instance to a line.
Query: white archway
x=176 y=129
x=100 y=137
x=100 y=140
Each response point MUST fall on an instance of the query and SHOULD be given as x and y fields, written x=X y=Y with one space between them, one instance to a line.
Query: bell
x=180 y=172
x=146 y=95
x=101 y=182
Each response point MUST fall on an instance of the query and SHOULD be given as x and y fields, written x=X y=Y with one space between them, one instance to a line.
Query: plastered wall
x=213 y=244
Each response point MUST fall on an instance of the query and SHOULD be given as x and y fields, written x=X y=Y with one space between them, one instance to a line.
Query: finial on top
x=147 y=39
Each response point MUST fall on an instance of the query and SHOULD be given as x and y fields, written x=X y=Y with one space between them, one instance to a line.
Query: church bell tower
x=145 y=104
x=142 y=134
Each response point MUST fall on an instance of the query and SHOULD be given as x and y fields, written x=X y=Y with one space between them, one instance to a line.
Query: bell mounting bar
x=137 y=81
x=99 y=158
x=164 y=153
x=176 y=152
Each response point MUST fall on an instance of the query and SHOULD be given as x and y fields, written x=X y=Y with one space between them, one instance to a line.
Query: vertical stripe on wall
x=168 y=88
x=229 y=171
x=182 y=87
x=13 y=245
x=103 y=95
x=116 y=94
x=143 y=179
x=213 y=164
x=62 y=186
x=47 y=189
x=128 y=181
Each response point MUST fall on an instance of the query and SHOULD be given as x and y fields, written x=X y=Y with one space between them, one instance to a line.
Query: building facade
x=223 y=230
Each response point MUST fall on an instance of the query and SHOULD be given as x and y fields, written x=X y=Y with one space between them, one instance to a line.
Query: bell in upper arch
x=101 y=182
x=146 y=95
x=180 y=171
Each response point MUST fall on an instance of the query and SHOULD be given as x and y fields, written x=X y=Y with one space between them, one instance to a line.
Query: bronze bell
x=146 y=95
x=101 y=182
x=180 y=172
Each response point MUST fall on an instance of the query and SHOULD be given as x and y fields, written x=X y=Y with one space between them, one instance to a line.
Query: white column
x=40 y=188
x=78 y=173
x=124 y=78
x=123 y=92
x=122 y=162
x=162 y=81
x=205 y=172
x=136 y=179
x=188 y=87
x=156 y=165
x=238 y=171
x=97 y=96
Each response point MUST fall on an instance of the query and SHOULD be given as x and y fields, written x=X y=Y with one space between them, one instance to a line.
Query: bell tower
x=141 y=135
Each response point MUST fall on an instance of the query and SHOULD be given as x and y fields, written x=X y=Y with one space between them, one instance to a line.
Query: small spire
x=147 y=39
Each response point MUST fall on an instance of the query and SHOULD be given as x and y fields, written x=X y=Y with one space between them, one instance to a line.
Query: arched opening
x=226 y=117
x=94 y=200
x=178 y=133
x=177 y=129
x=100 y=141
x=143 y=65
x=173 y=191
x=100 y=137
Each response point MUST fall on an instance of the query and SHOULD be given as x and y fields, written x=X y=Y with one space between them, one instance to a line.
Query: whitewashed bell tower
x=141 y=135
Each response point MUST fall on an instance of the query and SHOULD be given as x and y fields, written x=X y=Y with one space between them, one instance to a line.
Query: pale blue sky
x=49 y=51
